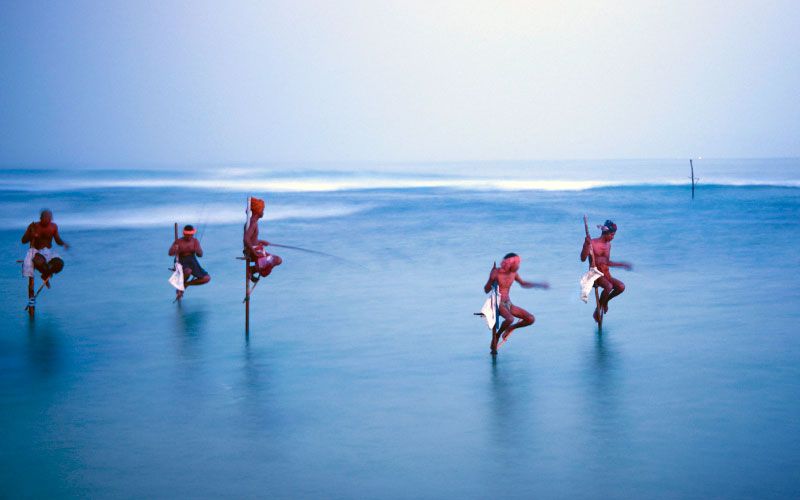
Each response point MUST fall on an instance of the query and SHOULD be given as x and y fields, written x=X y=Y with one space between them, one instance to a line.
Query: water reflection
x=510 y=396
x=190 y=325
x=43 y=348
x=255 y=388
x=604 y=397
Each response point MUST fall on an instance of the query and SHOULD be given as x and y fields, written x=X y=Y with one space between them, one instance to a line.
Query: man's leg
x=618 y=288
x=199 y=281
x=55 y=265
x=40 y=264
x=201 y=277
x=508 y=318
x=30 y=288
x=525 y=319
x=273 y=261
x=604 y=283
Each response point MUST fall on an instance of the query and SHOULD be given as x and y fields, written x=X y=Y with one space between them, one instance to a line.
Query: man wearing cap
x=602 y=253
x=188 y=249
x=254 y=248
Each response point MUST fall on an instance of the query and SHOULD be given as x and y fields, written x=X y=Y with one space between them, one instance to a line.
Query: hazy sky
x=180 y=83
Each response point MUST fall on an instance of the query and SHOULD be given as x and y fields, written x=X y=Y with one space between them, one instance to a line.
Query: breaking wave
x=209 y=214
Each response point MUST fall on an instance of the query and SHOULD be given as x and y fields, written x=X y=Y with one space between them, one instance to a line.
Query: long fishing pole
x=316 y=252
x=205 y=222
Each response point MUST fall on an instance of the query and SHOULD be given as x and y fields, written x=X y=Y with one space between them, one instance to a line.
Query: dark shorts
x=190 y=261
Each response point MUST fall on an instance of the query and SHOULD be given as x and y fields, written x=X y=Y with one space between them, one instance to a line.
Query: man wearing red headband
x=188 y=249
x=602 y=253
x=505 y=276
x=254 y=248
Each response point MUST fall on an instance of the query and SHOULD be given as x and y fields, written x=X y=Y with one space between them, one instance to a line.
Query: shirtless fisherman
x=505 y=276
x=188 y=249
x=602 y=252
x=41 y=256
x=263 y=261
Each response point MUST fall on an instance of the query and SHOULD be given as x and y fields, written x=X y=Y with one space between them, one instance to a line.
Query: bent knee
x=56 y=265
x=278 y=260
x=619 y=287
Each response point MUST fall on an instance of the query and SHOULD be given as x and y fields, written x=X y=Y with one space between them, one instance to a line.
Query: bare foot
x=605 y=308
x=505 y=336
x=178 y=294
x=596 y=315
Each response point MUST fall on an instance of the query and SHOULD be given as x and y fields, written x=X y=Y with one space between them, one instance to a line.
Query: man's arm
x=585 y=250
x=58 y=240
x=173 y=249
x=490 y=281
x=198 y=250
x=624 y=265
x=26 y=238
x=530 y=284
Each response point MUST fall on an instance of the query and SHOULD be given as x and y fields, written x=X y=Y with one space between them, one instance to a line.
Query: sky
x=125 y=84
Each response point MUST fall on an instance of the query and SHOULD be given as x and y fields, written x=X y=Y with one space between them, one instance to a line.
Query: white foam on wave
x=199 y=215
x=246 y=180
x=312 y=185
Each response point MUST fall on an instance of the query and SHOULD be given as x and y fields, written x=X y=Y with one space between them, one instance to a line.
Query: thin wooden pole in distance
x=691 y=166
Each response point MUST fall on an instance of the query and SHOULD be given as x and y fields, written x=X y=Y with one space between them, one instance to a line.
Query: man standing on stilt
x=602 y=255
x=254 y=248
x=41 y=255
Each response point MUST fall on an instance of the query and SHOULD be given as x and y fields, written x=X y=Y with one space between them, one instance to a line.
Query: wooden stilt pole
x=496 y=327
x=247 y=288
x=247 y=296
x=31 y=296
x=694 y=179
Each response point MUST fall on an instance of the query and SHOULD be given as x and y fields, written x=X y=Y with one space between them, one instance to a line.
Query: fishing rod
x=307 y=250
x=316 y=252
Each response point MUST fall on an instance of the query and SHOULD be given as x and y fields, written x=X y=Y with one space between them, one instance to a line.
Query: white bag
x=176 y=279
x=587 y=282
x=489 y=309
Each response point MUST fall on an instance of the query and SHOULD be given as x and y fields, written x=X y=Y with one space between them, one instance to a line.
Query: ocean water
x=367 y=375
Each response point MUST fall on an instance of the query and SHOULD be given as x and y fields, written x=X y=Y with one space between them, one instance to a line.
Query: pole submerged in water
x=691 y=166
x=598 y=309
x=247 y=274
x=247 y=295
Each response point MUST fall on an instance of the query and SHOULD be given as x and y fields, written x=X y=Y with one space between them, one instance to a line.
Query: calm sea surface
x=368 y=376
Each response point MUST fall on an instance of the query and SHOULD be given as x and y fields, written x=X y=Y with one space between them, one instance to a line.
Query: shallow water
x=370 y=377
